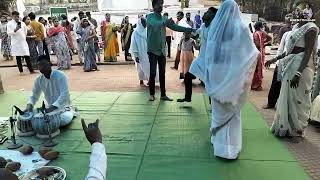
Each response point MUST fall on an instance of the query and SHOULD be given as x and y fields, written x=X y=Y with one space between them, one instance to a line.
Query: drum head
x=26 y=116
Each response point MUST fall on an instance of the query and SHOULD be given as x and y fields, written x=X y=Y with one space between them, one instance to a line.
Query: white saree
x=225 y=68
x=293 y=105
x=138 y=49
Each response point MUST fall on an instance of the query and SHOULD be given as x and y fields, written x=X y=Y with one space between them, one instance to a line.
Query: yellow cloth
x=111 y=46
x=38 y=29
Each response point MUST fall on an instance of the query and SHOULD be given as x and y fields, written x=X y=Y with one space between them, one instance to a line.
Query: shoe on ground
x=166 y=98
x=183 y=100
x=152 y=98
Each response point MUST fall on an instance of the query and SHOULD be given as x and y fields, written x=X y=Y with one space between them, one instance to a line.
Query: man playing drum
x=54 y=85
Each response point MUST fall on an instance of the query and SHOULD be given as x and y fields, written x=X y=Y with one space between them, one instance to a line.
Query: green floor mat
x=158 y=168
x=162 y=140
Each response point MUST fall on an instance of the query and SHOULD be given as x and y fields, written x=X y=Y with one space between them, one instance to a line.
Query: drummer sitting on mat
x=54 y=85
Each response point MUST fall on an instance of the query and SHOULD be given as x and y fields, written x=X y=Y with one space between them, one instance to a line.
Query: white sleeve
x=64 y=97
x=98 y=163
x=10 y=29
x=36 y=92
x=282 y=44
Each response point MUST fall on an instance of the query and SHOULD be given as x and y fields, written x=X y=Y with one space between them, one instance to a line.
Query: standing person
x=178 y=37
x=96 y=39
x=308 y=11
x=187 y=48
x=48 y=40
x=126 y=33
x=139 y=50
x=91 y=20
x=87 y=34
x=109 y=36
x=31 y=36
x=198 y=65
x=5 y=39
x=39 y=32
x=188 y=20
x=287 y=27
x=169 y=37
x=56 y=33
x=67 y=30
x=156 y=28
x=297 y=65
x=17 y=30
x=226 y=75
x=50 y=22
x=275 y=88
x=45 y=43
x=197 y=20
x=274 y=91
x=76 y=26
x=261 y=39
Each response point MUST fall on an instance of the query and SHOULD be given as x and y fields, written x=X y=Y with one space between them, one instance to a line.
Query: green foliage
x=6 y=4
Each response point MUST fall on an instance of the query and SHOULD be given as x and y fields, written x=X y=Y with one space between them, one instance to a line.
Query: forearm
x=98 y=163
x=178 y=28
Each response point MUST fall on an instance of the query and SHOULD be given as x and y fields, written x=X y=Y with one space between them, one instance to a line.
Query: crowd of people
x=231 y=58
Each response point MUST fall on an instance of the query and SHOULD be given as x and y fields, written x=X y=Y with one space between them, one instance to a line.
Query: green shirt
x=156 y=31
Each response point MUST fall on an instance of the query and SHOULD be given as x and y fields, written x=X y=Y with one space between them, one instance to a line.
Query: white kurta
x=138 y=48
x=19 y=45
x=98 y=163
x=56 y=93
x=55 y=89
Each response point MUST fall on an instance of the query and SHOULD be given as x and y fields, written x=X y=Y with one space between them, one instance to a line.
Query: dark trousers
x=168 y=40
x=46 y=50
x=19 y=63
x=161 y=61
x=127 y=55
x=274 y=91
x=177 y=60
x=188 y=85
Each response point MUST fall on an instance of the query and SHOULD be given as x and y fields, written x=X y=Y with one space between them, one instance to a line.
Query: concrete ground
x=124 y=78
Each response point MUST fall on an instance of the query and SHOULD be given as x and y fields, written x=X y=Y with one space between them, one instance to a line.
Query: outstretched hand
x=92 y=131
x=268 y=63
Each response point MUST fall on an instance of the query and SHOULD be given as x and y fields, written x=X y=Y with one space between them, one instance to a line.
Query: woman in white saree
x=138 y=49
x=230 y=58
x=296 y=68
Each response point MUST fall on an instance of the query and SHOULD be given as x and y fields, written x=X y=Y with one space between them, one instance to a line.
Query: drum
x=41 y=127
x=24 y=125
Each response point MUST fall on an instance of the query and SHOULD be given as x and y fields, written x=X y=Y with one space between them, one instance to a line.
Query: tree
x=5 y=5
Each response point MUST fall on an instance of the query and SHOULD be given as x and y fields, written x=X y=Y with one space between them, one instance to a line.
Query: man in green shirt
x=156 y=30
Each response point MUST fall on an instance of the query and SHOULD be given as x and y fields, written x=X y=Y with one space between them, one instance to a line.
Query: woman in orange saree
x=109 y=36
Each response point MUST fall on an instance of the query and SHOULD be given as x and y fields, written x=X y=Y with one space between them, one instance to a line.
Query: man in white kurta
x=54 y=85
x=139 y=50
x=17 y=30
